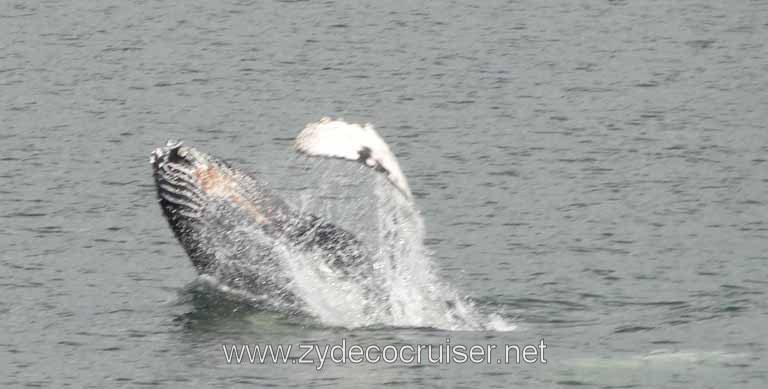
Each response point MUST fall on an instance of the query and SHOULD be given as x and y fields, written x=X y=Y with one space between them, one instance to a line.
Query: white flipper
x=339 y=139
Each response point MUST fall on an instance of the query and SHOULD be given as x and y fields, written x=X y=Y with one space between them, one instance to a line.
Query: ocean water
x=593 y=174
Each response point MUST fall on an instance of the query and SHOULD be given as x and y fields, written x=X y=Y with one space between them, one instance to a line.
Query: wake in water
x=368 y=268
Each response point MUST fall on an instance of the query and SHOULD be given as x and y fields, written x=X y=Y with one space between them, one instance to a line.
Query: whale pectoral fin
x=339 y=139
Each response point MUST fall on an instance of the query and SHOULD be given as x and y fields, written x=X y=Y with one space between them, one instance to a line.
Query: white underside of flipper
x=339 y=139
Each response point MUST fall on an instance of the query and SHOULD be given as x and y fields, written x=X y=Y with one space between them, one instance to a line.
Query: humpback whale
x=229 y=222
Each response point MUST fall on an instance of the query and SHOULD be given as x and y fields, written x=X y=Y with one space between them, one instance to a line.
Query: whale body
x=229 y=222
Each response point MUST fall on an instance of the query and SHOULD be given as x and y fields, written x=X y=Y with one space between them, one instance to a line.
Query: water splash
x=403 y=289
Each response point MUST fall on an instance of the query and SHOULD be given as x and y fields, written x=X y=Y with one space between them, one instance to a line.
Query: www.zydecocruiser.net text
x=342 y=353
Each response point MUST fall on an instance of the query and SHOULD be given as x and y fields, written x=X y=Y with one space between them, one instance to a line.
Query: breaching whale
x=229 y=221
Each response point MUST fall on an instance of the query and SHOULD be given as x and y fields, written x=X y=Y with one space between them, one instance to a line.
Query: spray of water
x=402 y=288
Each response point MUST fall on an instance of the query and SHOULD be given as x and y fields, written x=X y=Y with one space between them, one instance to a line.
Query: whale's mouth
x=174 y=152
x=177 y=177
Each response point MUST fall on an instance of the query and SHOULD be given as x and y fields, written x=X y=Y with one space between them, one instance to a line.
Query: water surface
x=594 y=172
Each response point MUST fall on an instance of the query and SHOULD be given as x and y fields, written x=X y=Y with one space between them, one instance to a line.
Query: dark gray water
x=593 y=172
